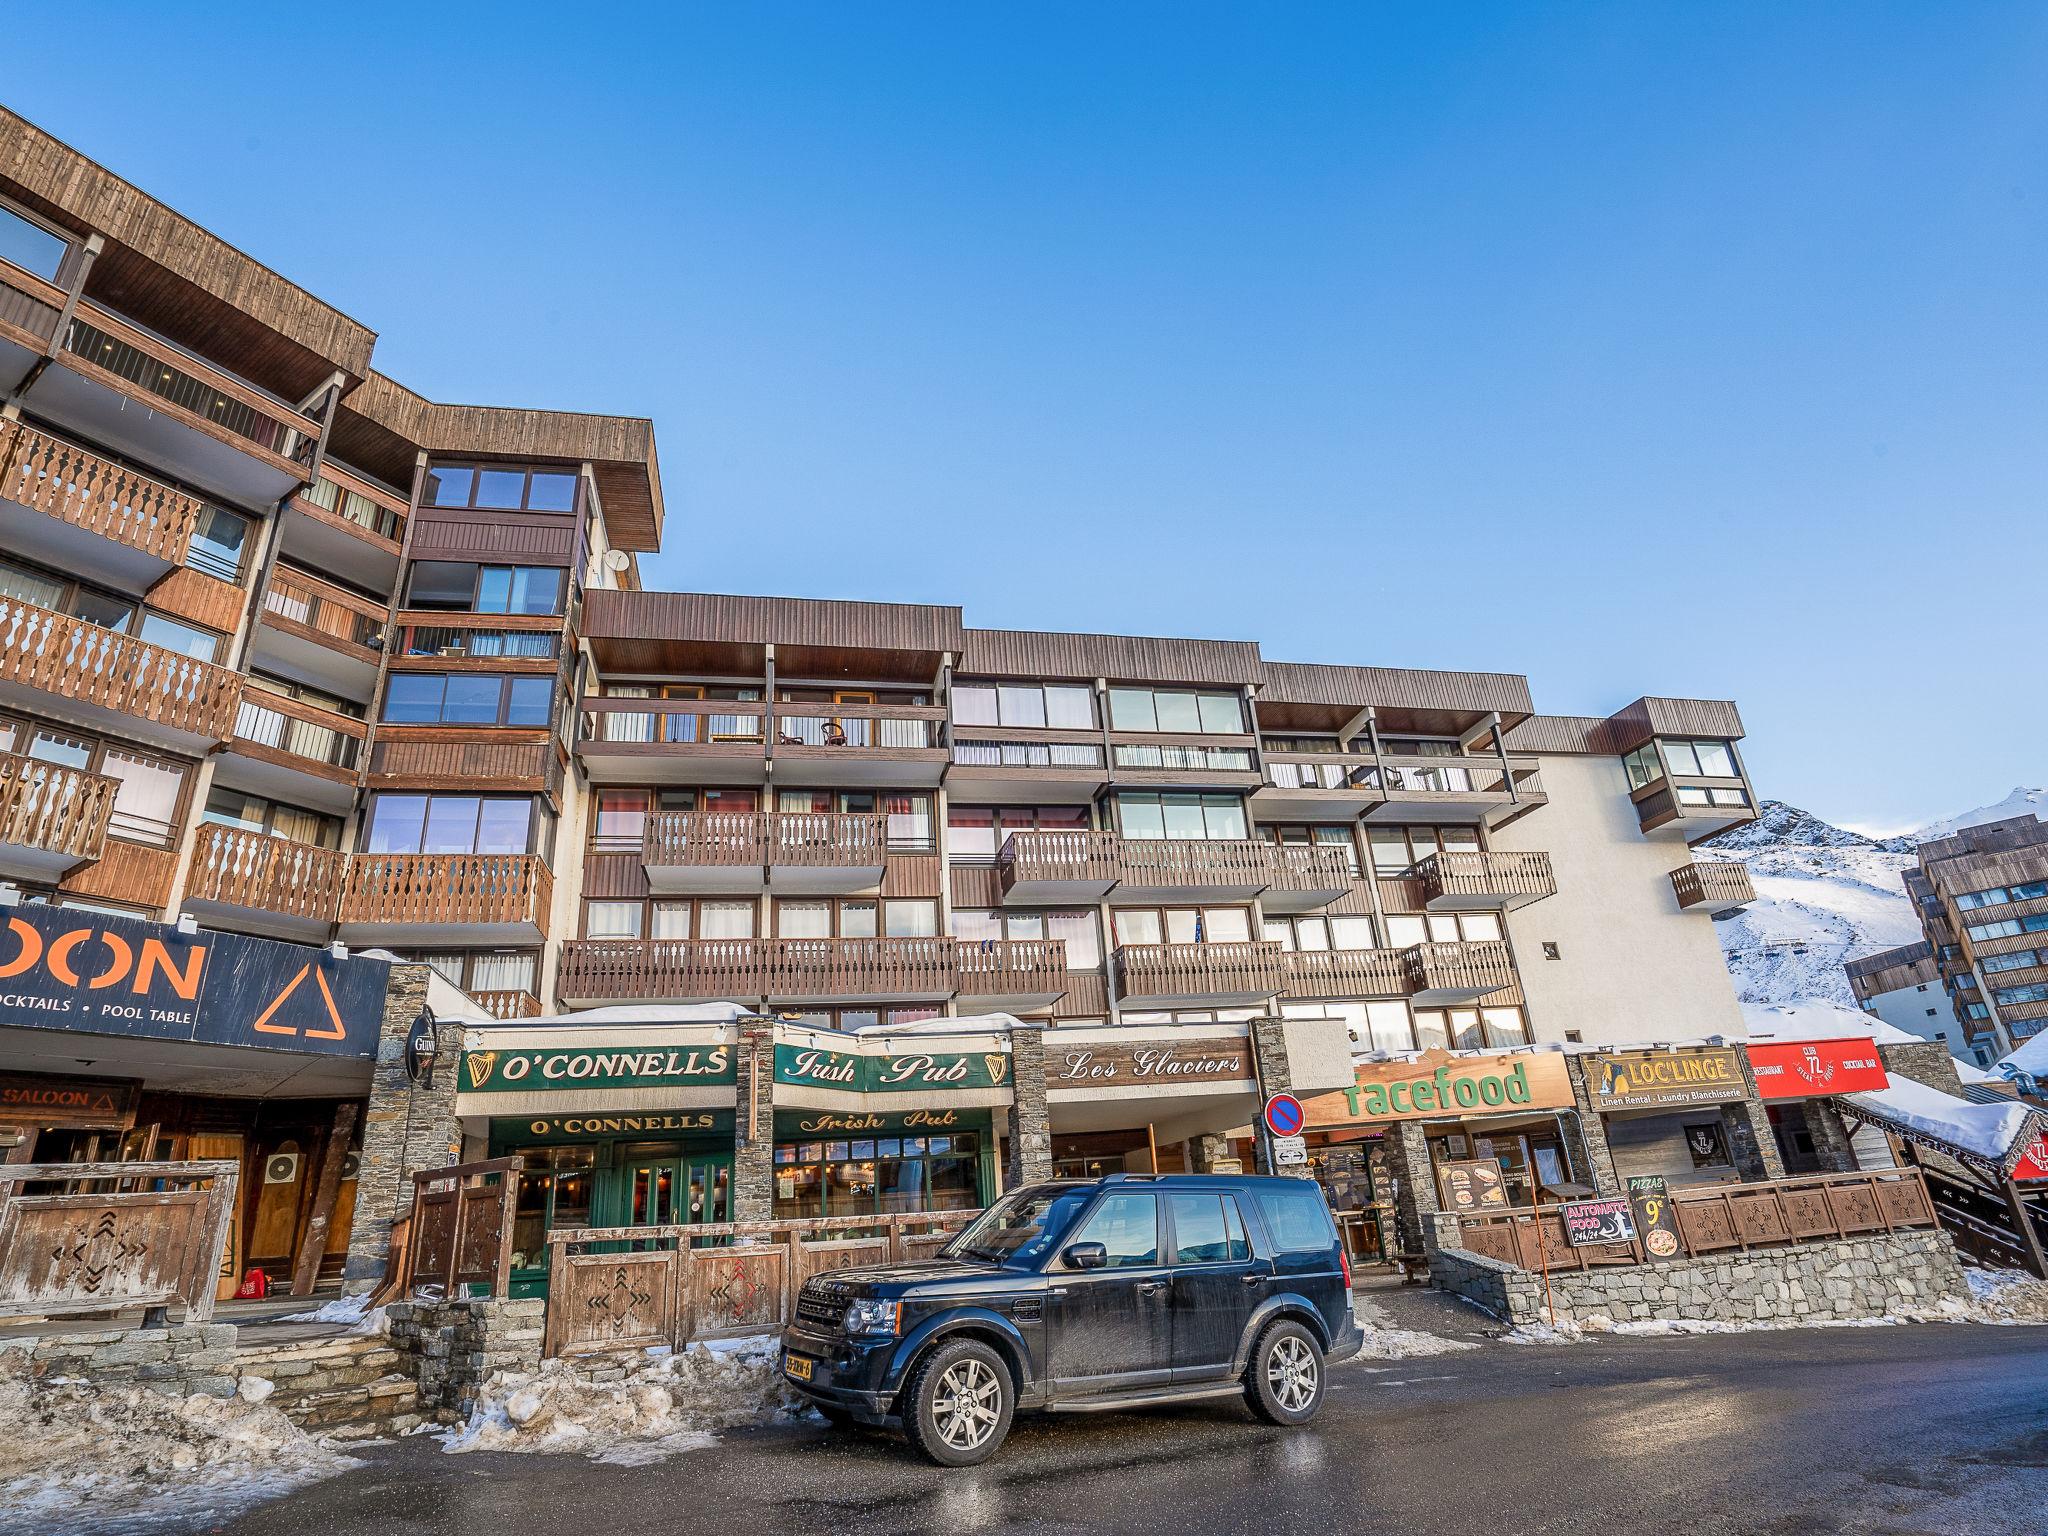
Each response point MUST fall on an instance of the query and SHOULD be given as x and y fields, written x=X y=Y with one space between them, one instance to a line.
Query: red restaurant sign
x=1812 y=1069
x=2033 y=1164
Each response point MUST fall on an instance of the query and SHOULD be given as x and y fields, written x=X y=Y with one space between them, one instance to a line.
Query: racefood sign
x=811 y=1066
x=1438 y=1083
x=497 y=1070
x=1648 y=1079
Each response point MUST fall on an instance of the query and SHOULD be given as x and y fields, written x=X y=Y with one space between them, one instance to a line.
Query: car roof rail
x=1130 y=1178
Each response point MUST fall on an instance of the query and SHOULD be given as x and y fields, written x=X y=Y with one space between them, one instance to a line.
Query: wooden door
x=225 y=1145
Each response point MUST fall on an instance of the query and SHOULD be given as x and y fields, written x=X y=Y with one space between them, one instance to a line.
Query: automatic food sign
x=103 y=974
x=1588 y=1223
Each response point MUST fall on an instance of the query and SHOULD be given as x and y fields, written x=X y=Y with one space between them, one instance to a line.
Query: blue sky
x=1676 y=349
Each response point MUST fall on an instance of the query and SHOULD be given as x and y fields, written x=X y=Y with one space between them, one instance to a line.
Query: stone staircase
x=343 y=1387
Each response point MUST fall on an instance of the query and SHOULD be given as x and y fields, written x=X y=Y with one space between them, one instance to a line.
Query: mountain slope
x=2021 y=802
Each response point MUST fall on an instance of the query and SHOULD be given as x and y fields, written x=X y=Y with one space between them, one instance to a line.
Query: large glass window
x=1126 y=1223
x=218 y=540
x=1057 y=706
x=1173 y=709
x=468 y=698
x=146 y=804
x=30 y=246
x=1705 y=759
x=459 y=586
x=1182 y=925
x=1397 y=850
x=878 y=1175
x=185 y=639
x=254 y=813
x=1145 y=815
x=501 y=488
x=401 y=823
x=1080 y=928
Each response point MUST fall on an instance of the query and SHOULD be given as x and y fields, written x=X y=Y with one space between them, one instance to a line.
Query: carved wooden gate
x=137 y=1235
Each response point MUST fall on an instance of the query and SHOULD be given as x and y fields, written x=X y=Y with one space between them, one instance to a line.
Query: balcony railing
x=54 y=810
x=1169 y=864
x=56 y=653
x=1475 y=882
x=234 y=867
x=747 y=968
x=447 y=889
x=876 y=727
x=1348 y=973
x=1712 y=886
x=1027 y=754
x=356 y=504
x=1077 y=856
x=718 y=724
x=757 y=840
x=1183 y=759
x=1254 y=969
x=317 y=736
x=322 y=611
x=507 y=1003
x=74 y=485
x=483 y=638
x=1336 y=771
x=1470 y=969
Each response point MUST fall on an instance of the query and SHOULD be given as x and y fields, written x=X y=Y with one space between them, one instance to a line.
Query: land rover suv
x=1080 y=1295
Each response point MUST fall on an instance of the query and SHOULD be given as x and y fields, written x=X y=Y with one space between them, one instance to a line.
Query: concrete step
x=389 y=1404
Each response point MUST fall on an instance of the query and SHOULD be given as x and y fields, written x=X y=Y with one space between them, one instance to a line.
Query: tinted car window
x=1207 y=1230
x=1296 y=1216
x=1127 y=1225
x=1020 y=1230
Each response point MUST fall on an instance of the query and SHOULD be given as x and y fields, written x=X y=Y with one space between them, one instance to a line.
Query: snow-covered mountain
x=1826 y=895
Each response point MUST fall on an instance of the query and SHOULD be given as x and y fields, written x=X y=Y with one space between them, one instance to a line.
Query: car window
x=1296 y=1216
x=1127 y=1225
x=1020 y=1230
x=1207 y=1229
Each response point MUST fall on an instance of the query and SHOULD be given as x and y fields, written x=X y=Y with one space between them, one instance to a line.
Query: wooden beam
x=313 y=1242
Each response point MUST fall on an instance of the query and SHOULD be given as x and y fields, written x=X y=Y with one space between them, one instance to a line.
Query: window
x=612 y=919
x=666 y=918
x=273 y=818
x=146 y=804
x=1470 y=1029
x=2008 y=928
x=881 y=1174
x=822 y=919
x=458 y=586
x=1207 y=1229
x=1373 y=1026
x=1643 y=765
x=1701 y=759
x=1409 y=928
x=185 y=639
x=1318 y=933
x=1056 y=706
x=1162 y=709
x=1296 y=1218
x=1182 y=925
x=620 y=818
x=2032 y=992
x=2018 y=960
x=1999 y=895
x=468 y=698
x=1397 y=850
x=218 y=540
x=1126 y=1223
x=910 y=919
x=1324 y=836
x=1180 y=816
x=401 y=823
x=501 y=488
x=31 y=246
x=482 y=970
x=1079 y=928
x=977 y=831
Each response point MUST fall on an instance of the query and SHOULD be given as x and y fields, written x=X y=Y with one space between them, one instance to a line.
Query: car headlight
x=870 y=1316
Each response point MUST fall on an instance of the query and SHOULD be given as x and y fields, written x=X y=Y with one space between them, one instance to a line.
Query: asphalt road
x=1876 y=1431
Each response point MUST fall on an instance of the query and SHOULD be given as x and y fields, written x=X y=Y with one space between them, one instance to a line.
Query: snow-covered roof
x=1820 y=1018
x=1986 y=1131
x=2029 y=1057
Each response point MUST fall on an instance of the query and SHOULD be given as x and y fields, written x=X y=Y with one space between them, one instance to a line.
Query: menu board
x=1472 y=1187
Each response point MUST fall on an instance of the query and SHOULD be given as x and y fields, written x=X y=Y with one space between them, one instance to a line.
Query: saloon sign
x=1812 y=1069
x=97 y=973
x=1439 y=1083
x=491 y=1070
x=1647 y=1079
x=810 y=1066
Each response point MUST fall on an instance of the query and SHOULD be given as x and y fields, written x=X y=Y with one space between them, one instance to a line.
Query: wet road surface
x=1936 y=1429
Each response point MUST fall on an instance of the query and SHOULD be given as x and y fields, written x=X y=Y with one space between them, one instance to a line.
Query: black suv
x=1086 y=1294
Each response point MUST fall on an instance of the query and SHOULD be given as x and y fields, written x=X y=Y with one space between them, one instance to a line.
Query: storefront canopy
x=1994 y=1139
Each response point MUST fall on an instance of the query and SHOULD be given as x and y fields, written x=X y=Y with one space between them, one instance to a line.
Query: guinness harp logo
x=478 y=1064
x=998 y=1065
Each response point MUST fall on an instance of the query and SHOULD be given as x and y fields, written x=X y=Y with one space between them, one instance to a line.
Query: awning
x=2001 y=1141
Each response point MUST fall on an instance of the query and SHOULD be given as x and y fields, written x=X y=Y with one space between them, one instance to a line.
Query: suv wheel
x=958 y=1403
x=1284 y=1384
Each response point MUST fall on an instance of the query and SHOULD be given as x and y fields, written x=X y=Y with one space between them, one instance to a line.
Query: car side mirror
x=1086 y=1256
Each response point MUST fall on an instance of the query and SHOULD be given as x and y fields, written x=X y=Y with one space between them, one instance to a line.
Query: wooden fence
x=672 y=1284
x=107 y=1236
x=1738 y=1216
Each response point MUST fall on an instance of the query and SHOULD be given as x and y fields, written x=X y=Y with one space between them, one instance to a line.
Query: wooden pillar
x=327 y=1188
x=2030 y=1240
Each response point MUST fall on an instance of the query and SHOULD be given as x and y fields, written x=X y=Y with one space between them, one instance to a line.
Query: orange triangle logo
x=339 y=1031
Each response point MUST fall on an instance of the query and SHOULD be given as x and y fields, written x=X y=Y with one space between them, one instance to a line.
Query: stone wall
x=1028 y=1133
x=1925 y=1062
x=1840 y=1280
x=407 y=1129
x=1269 y=1052
x=453 y=1347
x=197 y=1357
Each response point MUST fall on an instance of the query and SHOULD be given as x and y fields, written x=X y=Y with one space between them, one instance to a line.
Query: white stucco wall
x=1632 y=966
x=1908 y=1008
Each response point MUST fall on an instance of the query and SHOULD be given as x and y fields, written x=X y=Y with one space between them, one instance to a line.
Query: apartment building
x=1982 y=898
x=287 y=651
x=1903 y=986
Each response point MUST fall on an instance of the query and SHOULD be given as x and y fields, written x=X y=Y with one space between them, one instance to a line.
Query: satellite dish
x=617 y=559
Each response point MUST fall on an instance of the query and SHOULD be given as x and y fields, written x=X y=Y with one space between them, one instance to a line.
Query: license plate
x=797 y=1367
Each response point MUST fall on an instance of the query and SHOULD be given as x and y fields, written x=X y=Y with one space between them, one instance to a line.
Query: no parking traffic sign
x=1283 y=1114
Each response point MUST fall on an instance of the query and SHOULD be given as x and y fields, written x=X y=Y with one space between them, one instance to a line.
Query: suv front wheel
x=1284 y=1383
x=958 y=1404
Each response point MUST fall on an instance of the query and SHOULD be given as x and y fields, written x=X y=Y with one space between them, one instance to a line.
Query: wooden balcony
x=1458 y=973
x=448 y=898
x=674 y=741
x=1064 y=867
x=52 y=818
x=1713 y=886
x=1305 y=877
x=507 y=1004
x=321 y=630
x=1057 y=868
x=1466 y=790
x=1011 y=975
x=993 y=767
x=900 y=744
x=1484 y=882
x=1344 y=973
x=141 y=689
x=1693 y=808
x=348 y=525
x=789 y=970
x=450 y=757
x=793 y=852
x=295 y=751
x=1200 y=975
x=252 y=880
x=84 y=490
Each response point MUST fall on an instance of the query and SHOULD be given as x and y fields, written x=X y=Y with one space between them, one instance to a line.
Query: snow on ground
x=73 y=1453
x=664 y=1402
x=2000 y=1297
x=352 y=1310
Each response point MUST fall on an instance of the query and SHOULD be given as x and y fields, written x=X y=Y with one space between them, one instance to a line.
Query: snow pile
x=1407 y=1344
x=1985 y=1129
x=2029 y=1057
x=2006 y=1296
x=663 y=1403
x=74 y=1453
x=355 y=1311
